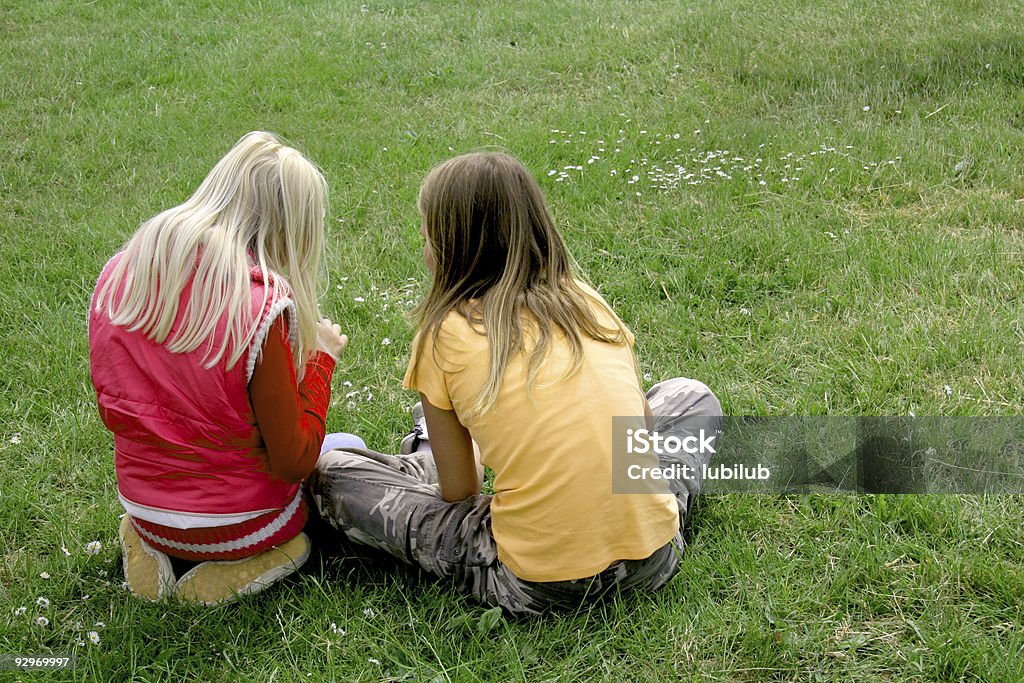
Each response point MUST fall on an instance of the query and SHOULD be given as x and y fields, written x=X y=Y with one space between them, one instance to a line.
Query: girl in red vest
x=212 y=368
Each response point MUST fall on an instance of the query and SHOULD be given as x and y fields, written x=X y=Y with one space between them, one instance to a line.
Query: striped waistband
x=265 y=528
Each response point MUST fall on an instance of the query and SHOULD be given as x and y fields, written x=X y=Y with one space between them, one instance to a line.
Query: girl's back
x=536 y=377
x=549 y=443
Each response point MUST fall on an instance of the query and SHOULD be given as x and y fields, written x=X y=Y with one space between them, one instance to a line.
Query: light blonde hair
x=498 y=259
x=263 y=203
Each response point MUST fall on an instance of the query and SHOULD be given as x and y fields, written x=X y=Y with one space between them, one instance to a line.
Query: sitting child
x=213 y=370
x=518 y=357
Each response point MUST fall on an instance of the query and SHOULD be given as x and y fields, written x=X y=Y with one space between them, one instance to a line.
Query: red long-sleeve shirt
x=291 y=415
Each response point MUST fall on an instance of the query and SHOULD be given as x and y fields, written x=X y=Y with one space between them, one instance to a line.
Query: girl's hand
x=330 y=338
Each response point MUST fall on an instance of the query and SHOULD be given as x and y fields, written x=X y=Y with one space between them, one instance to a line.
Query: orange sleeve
x=291 y=416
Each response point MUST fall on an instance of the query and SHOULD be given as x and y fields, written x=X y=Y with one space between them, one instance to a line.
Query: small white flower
x=359 y=299
x=744 y=311
x=44 y=575
x=86 y=596
x=371 y=660
x=43 y=602
x=42 y=621
x=16 y=438
x=948 y=389
x=100 y=625
x=931 y=452
x=94 y=637
x=67 y=553
x=385 y=342
x=867 y=107
x=93 y=547
x=336 y=630
x=21 y=610
x=369 y=612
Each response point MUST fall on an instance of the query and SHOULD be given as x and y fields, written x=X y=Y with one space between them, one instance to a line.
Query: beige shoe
x=147 y=571
x=219 y=581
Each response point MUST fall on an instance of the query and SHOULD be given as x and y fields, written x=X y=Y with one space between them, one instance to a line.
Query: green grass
x=888 y=267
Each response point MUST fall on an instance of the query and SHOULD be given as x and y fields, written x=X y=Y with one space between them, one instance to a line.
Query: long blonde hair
x=497 y=257
x=263 y=203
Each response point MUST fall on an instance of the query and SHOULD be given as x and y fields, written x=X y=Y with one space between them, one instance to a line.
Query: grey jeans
x=393 y=503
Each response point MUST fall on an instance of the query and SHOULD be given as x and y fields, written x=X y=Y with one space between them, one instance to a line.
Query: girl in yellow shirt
x=520 y=367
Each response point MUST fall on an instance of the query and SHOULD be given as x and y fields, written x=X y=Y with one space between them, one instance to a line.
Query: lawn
x=813 y=207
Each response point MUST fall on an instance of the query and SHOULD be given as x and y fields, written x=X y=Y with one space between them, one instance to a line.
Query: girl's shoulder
x=455 y=332
x=264 y=277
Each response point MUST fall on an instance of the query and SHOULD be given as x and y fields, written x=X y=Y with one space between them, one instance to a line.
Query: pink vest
x=188 y=452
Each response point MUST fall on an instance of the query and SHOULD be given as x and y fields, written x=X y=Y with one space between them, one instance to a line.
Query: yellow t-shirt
x=554 y=516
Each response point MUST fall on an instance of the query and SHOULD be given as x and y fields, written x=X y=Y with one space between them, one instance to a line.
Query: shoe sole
x=160 y=565
x=217 y=573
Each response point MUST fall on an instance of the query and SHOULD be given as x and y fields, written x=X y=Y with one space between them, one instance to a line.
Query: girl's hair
x=263 y=203
x=498 y=257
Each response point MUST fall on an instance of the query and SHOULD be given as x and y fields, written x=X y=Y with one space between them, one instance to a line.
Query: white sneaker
x=418 y=436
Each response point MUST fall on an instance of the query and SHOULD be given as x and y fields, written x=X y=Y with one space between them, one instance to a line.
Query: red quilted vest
x=188 y=452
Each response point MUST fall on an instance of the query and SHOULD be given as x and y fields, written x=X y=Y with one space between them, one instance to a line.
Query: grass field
x=814 y=207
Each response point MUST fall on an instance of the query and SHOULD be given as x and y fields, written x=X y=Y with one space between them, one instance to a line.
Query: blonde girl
x=212 y=368
x=518 y=356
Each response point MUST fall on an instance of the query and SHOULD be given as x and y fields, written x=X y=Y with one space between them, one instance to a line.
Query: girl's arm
x=458 y=466
x=291 y=416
